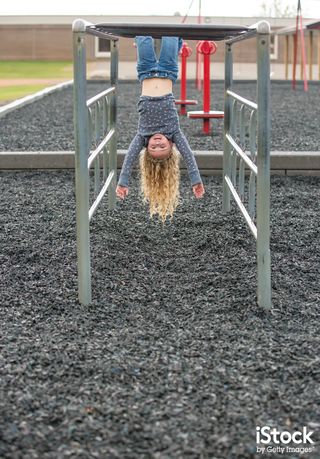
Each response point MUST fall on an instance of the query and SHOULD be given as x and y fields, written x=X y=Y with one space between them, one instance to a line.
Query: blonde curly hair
x=159 y=181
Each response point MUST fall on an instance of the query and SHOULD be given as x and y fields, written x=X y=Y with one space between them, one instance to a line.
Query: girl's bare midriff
x=156 y=87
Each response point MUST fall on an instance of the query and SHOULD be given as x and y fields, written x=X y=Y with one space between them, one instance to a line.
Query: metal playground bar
x=95 y=136
x=244 y=117
x=95 y=140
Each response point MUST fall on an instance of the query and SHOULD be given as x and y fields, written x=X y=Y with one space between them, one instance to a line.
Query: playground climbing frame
x=95 y=137
x=256 y=157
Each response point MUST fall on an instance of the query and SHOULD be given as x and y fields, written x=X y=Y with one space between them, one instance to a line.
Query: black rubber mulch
x=47 y=125
x=174 y=359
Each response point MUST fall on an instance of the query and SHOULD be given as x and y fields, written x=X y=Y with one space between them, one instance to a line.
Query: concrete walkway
x=9 y=82
x=241 y=71
x=209 y=162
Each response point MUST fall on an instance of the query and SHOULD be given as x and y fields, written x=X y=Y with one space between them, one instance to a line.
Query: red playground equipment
x=185 y=52
x=299 y=31
x=206 y=48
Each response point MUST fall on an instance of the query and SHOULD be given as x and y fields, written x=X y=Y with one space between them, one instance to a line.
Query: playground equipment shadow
x=173 y=359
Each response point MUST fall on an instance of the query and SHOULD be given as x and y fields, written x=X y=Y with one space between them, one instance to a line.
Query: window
x=102 y=48
x=273 y=46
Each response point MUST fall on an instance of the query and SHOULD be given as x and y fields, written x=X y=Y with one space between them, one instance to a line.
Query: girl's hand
x=122 y=191
x=198 y=190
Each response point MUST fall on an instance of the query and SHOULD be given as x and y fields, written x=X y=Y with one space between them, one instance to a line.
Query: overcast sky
x=310 y=8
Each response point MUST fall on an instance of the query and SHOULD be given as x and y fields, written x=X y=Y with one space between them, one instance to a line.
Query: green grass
x=10 y=93
x=30 y=69
x=35 y=69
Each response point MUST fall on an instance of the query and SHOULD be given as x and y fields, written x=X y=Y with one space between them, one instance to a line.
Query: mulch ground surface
x=173 y=358
x=47 y=125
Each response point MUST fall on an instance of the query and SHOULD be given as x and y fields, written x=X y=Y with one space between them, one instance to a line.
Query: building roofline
x=305 y=24
x=95 y=19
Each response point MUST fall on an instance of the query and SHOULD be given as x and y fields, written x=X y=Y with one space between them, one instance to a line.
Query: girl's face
x=159 y=147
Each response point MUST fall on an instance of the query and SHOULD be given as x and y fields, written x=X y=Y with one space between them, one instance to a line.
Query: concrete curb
x=209 y=162
x=5 y=109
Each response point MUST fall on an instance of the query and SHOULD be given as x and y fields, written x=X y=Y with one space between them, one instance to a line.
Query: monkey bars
x=95 y=136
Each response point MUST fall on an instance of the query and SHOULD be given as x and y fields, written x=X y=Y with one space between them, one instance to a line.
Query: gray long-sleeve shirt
x=158 y=115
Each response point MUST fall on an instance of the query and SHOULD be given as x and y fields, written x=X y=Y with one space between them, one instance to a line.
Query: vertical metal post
x=263 y=163
x=242 y=143
x=113 y=121
x=105 y=124
x=97 y=134
x=227 y=124
x=81 y=168
x=318 y=49
x=253 y=155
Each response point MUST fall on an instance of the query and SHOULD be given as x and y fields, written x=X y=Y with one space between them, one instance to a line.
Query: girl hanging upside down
x=159 y=134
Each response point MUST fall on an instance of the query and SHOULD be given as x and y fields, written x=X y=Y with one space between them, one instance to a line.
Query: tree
x=276 y=9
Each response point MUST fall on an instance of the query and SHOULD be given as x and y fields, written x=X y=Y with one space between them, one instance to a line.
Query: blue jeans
x=148 y=66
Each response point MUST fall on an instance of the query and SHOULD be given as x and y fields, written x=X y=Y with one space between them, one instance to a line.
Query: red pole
x=295 y=50
x=198 y=73
x=303 y=56
x=299 y=27
x=206 y=92
x=185 y=52
x=183 y=93
x=206 y=48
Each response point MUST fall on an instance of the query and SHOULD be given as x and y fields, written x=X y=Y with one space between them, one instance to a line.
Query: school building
x=50 y=38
